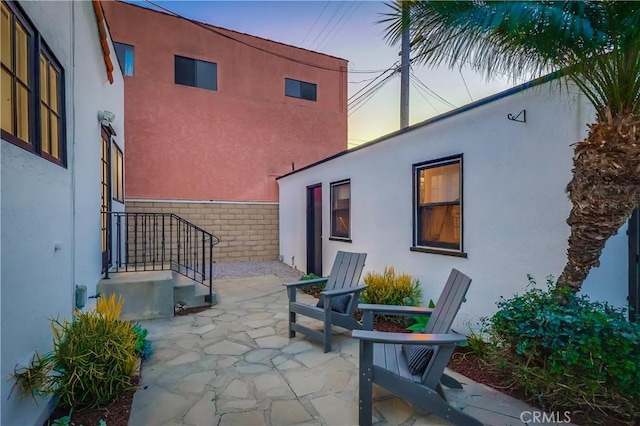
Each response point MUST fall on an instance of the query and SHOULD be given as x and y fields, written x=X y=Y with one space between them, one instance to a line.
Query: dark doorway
x=314 y=229
x=634 y=266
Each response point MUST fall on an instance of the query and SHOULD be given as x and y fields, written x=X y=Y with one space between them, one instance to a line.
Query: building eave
x=104 y=38
x=489 y=99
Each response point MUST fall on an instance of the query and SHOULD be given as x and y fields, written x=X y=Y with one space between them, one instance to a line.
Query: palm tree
x=596 y=44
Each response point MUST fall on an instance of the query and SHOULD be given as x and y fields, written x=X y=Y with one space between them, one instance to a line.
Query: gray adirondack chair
x=383 y=361
x=342 y=281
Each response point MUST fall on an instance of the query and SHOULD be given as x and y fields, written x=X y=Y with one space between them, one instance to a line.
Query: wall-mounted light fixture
x=106 y=117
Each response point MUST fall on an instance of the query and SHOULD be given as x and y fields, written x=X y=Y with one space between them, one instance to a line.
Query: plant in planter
x=93 y=360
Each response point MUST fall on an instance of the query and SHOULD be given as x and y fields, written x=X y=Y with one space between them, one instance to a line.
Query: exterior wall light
x=106 y=117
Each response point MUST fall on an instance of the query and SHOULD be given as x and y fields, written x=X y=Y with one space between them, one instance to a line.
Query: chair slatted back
x=448 y=303
x=346 y=270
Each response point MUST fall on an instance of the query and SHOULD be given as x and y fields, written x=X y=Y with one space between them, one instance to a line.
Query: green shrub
x=581 y=355
x=93 y=360
x=391 y=289
x=143 y=346
x=314 y=288
x=419 y=323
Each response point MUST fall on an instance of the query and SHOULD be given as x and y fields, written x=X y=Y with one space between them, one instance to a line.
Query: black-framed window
x=196 y=73
x=341 y=209
x=300 y=89
x=438 y=204
x=124 y=52
x=32 y=81
x=117 y=173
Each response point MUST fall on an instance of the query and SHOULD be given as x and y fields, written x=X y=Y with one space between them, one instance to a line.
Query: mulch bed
x=114 y=414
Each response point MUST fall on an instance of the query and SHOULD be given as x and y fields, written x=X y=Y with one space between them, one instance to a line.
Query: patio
x=233 y=364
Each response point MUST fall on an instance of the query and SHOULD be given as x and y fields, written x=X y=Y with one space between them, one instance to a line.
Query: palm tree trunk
x=604 y=191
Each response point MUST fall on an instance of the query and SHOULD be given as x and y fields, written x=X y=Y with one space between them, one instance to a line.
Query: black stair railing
x=160 y=241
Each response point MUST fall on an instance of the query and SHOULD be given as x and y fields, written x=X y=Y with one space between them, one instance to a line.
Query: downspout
x=72 y=152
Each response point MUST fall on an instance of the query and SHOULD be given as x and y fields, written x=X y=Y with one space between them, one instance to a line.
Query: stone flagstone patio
x=233 y=364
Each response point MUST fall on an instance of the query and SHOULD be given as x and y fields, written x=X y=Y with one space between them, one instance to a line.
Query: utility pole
x=404 y=69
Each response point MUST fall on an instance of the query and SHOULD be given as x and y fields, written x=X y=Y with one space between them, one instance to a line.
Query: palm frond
x=596 y=43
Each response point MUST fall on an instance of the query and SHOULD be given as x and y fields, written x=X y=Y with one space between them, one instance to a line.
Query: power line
x=465 y=86
x=352 y=8
x=432 y=92
x=363 y=81
x=415 y=85
x=327 y=24
x=359 y=103
x=209 y=28
x=314 y=23
x=366 y=95
x=392 y=67
x=355 y=71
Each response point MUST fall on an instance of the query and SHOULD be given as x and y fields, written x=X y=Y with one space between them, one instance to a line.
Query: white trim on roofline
x=150 y=200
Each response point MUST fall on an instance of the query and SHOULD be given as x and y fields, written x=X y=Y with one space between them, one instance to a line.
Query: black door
x=634 y=266
x=314 y=229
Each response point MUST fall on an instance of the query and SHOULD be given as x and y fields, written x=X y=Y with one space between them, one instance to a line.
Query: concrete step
x=146 y=295
x=154 y=294
x=188 y=293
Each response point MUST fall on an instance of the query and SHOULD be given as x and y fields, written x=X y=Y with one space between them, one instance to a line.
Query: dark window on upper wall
x=117 y=173
x=196 y=73
x=300 y=89
x=124 y=52
x=438 y=205
x=32 y=114
x=341 y=210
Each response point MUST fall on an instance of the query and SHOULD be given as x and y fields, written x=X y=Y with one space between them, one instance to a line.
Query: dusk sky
x=348 y=30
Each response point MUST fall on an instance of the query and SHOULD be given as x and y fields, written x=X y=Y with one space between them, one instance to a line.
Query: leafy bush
x=93 y=360
x=580 y=355
x=312 y=289
x=419 y=323
x=143 y=346
x=391 y=289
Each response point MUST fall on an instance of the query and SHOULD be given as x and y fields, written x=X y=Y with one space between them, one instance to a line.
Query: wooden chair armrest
x=408 y=311
x=408 y=338
x=342 y=291
x=305 y=282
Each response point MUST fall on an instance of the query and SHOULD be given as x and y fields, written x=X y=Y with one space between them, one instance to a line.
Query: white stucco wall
x=514 y=203
x=94 y=93
x=44 y=206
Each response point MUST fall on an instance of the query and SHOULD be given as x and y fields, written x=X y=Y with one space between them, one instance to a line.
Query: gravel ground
x=251 y=269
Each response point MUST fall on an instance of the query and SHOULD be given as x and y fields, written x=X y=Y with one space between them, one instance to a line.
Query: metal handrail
x=159 y=241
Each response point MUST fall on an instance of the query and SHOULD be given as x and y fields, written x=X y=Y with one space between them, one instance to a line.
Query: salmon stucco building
x=213 y=116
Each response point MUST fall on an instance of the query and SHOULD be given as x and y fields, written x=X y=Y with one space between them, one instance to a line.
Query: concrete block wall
x=247 y=231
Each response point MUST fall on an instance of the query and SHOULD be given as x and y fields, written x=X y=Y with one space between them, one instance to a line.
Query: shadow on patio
x=234 y=364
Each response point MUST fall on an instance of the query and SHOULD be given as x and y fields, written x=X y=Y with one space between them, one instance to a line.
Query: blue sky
x=348 y=29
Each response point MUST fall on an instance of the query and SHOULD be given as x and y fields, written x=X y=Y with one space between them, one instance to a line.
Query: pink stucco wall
x=189 y=143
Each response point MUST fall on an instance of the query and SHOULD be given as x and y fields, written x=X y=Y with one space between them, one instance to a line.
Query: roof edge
x=489 y=99
x=232 y=31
